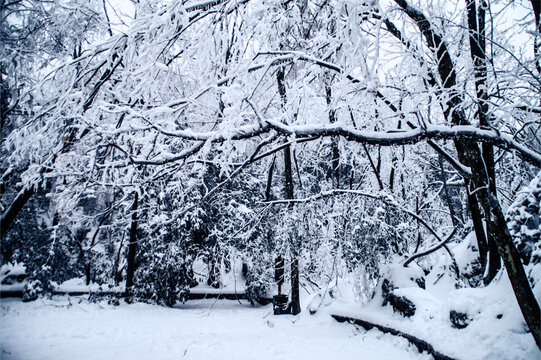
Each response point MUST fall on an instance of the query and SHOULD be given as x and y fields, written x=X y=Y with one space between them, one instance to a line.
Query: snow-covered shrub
x=523 y=217
x=365 y=281
x=400 y=304
x=257 y=287
x=399 y=277
x=166 y=276
x=32 y=290
x=258 y=253
x=259 y=275
x=459 y=320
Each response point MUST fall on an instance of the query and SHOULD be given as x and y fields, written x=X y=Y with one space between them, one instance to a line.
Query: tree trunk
x=4 y=101
x=268 y=189
x=288 y=174
x=132 y=247
x=335 y=160
x=16 y=206
x=476 y=24
x=477 y=220
x=289 y=193
x=511 y=259
x=536 y=6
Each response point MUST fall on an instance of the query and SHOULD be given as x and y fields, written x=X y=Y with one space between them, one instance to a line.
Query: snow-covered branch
x=432 y=249
x=387 y=138
x=388 y=200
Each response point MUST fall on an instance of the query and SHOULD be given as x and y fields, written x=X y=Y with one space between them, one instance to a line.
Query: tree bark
x=16 y=206
x=289 y=193
x=269 y=180
x=536 y=6
x=132 y=247
x=4 y=101
x=477 y=220
x=476 y=24
x=335 y=159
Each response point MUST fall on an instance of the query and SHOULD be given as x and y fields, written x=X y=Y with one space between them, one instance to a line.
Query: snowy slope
x=496 y=329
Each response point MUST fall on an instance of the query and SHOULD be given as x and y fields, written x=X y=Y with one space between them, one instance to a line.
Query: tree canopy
x=404 y=125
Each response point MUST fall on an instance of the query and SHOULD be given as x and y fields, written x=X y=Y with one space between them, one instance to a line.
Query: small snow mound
x=403 y=277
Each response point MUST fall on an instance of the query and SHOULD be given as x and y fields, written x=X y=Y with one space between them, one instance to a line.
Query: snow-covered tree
x=341 y=88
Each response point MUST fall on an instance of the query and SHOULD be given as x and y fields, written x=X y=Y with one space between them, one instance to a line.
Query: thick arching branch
x=430 y=132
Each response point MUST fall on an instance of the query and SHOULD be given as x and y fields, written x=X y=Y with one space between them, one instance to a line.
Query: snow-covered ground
x=73 y=328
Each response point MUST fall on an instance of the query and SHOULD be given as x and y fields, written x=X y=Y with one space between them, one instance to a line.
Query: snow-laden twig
x=388 y=201
x=432 y=249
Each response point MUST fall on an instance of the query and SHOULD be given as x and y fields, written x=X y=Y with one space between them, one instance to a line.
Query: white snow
x=12 y=270
x=10 y=275
x=497 y=329
x=78 y=284
x=68 y=328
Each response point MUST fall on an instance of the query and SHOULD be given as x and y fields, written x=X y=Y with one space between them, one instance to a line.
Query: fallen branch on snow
x=420 y=344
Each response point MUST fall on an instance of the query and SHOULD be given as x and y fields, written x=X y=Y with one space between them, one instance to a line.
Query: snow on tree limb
x=396 y=137
x=432 y=249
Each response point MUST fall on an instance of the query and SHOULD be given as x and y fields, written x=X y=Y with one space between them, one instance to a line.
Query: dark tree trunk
x=419 y=238
x=288 y=174
x=132 y=247
x=477 y=220
x=289 y=193
x=536 y=6
x=269 y=180
x=391 y=175
x=476 y=24
x=4 y=100
x=378 y=163
x=513 y=264
x=335 y=160
x=88 y=273
x=470 y=155
x=374 y=167
x=16 y=206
